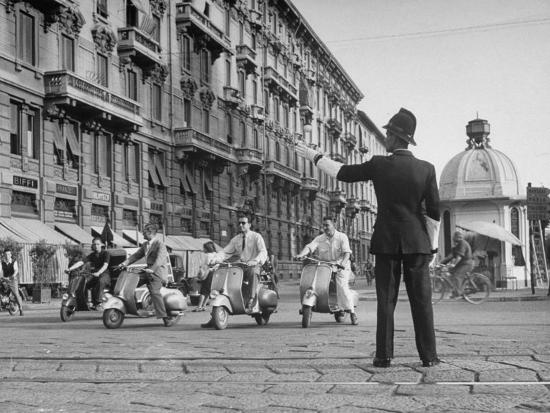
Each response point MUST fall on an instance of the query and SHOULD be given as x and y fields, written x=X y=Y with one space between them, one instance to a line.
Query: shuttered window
x=26 y=47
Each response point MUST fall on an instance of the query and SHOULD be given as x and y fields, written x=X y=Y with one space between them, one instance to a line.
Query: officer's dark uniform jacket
x=406 y=190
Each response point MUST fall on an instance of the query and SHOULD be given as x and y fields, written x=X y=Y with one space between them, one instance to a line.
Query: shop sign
x=26 y=182
x=101 y=196
x=538 y=203
x=131 y=202
x=66 y=189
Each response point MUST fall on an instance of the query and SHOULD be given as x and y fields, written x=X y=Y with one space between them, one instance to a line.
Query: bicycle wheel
x=477 y=288
x=439 y=288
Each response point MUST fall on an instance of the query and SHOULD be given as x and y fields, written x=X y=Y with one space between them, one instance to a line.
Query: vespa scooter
x=76 y=297
x=127 y=298
x=318 y=291
x=227 y=298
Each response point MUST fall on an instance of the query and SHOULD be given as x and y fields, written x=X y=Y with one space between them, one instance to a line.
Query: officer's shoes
x=354 y=320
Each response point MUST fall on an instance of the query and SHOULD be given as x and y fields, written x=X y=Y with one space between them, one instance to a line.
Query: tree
x=41 y=258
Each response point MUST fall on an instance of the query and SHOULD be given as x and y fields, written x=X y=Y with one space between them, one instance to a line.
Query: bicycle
x=476 y=287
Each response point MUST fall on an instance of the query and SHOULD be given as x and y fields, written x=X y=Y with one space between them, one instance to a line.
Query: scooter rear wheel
x=220 y=317
x=262 y=319
x=306 y=316
x=113 y=318
x=12 y=306
x=66 y=313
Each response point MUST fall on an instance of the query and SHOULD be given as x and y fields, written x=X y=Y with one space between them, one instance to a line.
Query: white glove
x=305 y=152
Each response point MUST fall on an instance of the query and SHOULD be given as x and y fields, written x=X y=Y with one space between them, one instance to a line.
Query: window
x=242 y=83
x=241 y=33
x=255 y=91
x=131 y=84
x=256 y=140
x=15 y=129
x=131 y=15
x=130 y=161
x=102 y=154
x=266 y=102
x=186 y=113
x=186 y=53
x=229 y=127
x=276 y=109
x=228 y=22
x=517 y=254
x=156 y=30
x=206 y=121
x=277 y=152
x=227 y=72
x=67 y=53
x=157 y=101
x=205 y=65
x=102 y=8
x=253 y=41
x=26 y=40
x=102 y=70
x=243 y=134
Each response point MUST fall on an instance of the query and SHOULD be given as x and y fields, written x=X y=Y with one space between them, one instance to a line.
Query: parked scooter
x=318 y=291
x=227 y=298
x=127 y=298
x=76 y=297
x=7 y=299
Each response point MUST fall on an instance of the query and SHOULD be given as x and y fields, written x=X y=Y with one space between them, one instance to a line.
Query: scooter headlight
x=214 y=294
x=65 y=296
x=309 y=293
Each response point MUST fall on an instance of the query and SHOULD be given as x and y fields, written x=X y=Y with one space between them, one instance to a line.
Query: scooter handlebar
x=308 y=260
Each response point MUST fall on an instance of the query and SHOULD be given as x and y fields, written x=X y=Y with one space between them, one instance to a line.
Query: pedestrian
x=405 y=233
x=462 y=262
x=205 y=274
x=98 y=261
x=368 y=271
x=156 y=273
x=333 y=246
x=10 y=270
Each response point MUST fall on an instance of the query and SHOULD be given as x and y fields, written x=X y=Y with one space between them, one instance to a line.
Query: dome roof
x=479 y=172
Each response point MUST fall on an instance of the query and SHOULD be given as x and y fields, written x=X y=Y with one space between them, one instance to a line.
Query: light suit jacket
x=156 y=257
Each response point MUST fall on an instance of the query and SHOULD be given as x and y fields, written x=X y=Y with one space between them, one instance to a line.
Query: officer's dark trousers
x=417 y=281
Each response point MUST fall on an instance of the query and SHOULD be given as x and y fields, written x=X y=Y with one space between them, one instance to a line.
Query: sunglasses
x=242 y=223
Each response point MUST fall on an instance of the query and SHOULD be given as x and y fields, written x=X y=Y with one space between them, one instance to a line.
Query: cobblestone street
x=496 y=359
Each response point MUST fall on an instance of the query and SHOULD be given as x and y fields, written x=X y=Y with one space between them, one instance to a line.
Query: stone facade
x=183 y=113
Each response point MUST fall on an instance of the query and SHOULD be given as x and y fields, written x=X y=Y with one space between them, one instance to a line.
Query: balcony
x=334 y=128
x=257 y=114
x=364 y=205
x=250 y=157
x=246 y=58
x=282 y=171
x=205 y=32
x=255 y=17
x=191 y=143
x=350 y=140
x=337 y=200
x=338 y=157
x=139 y=47
x=232 y=97
x=280 y=85
x=309 y=188
x=89 y=100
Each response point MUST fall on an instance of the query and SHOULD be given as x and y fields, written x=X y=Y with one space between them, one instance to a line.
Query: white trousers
x=344 y=297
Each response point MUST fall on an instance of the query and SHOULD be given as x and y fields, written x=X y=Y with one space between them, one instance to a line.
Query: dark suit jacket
x=406 y=190
x=156 y=256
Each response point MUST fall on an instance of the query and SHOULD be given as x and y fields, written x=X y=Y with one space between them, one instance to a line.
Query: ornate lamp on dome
x=478 y=131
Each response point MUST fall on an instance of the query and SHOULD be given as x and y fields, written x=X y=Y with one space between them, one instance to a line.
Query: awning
x=130 y=234
x=153 y=174
x=74 y=232
x=54 y=129
x=203 y=240
x=140 y=5
x=207 y=188
x=117 y=239
x=6 y=233
x=72 y=140
x=33 y=231
x=190 y=184
x=183 y=243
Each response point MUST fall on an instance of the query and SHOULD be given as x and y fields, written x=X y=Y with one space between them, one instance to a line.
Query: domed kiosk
x=482 y=184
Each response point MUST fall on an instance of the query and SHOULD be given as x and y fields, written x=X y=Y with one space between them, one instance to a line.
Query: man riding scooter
x=156 y=272
x=333 y=246
x=101 y=279
x=247 y=247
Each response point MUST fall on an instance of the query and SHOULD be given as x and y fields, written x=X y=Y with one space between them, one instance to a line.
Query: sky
x=449 y=62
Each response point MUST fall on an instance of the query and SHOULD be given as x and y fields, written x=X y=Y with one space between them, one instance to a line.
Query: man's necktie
x=244 y=240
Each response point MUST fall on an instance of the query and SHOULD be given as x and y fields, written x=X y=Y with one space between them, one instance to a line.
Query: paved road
x=497 y=358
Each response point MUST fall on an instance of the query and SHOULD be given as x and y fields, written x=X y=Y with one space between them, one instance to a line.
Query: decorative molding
x=188 y=86
x=157 y=73
x=105 y=38
x=70 y=20
x=159 y=7
x=207 y=97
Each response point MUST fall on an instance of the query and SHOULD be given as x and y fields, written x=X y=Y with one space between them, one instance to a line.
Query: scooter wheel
x=66 y=313
x=112 y=318
x=261 y=319
x=339 y=316
x=306 y=316
x=220 y=317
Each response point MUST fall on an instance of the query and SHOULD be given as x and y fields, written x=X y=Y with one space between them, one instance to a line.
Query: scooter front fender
x=309 y=298
x=116 y=303
x=222 y=301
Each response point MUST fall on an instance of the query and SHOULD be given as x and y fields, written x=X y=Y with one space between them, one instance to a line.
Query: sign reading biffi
x=538 y=203
x=26 y=182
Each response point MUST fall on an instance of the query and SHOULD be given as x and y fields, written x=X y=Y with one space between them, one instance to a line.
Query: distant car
x=192 y=285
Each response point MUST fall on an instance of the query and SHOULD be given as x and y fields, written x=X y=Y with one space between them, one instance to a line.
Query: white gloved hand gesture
x=306 y=152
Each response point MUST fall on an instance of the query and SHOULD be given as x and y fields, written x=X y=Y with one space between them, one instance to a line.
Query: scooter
x=318 y=291
x=127 y=298
x=76 y=297
x=227 y=298
x=7 y=299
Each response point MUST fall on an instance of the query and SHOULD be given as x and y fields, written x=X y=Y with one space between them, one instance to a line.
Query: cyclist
x=461 y=261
